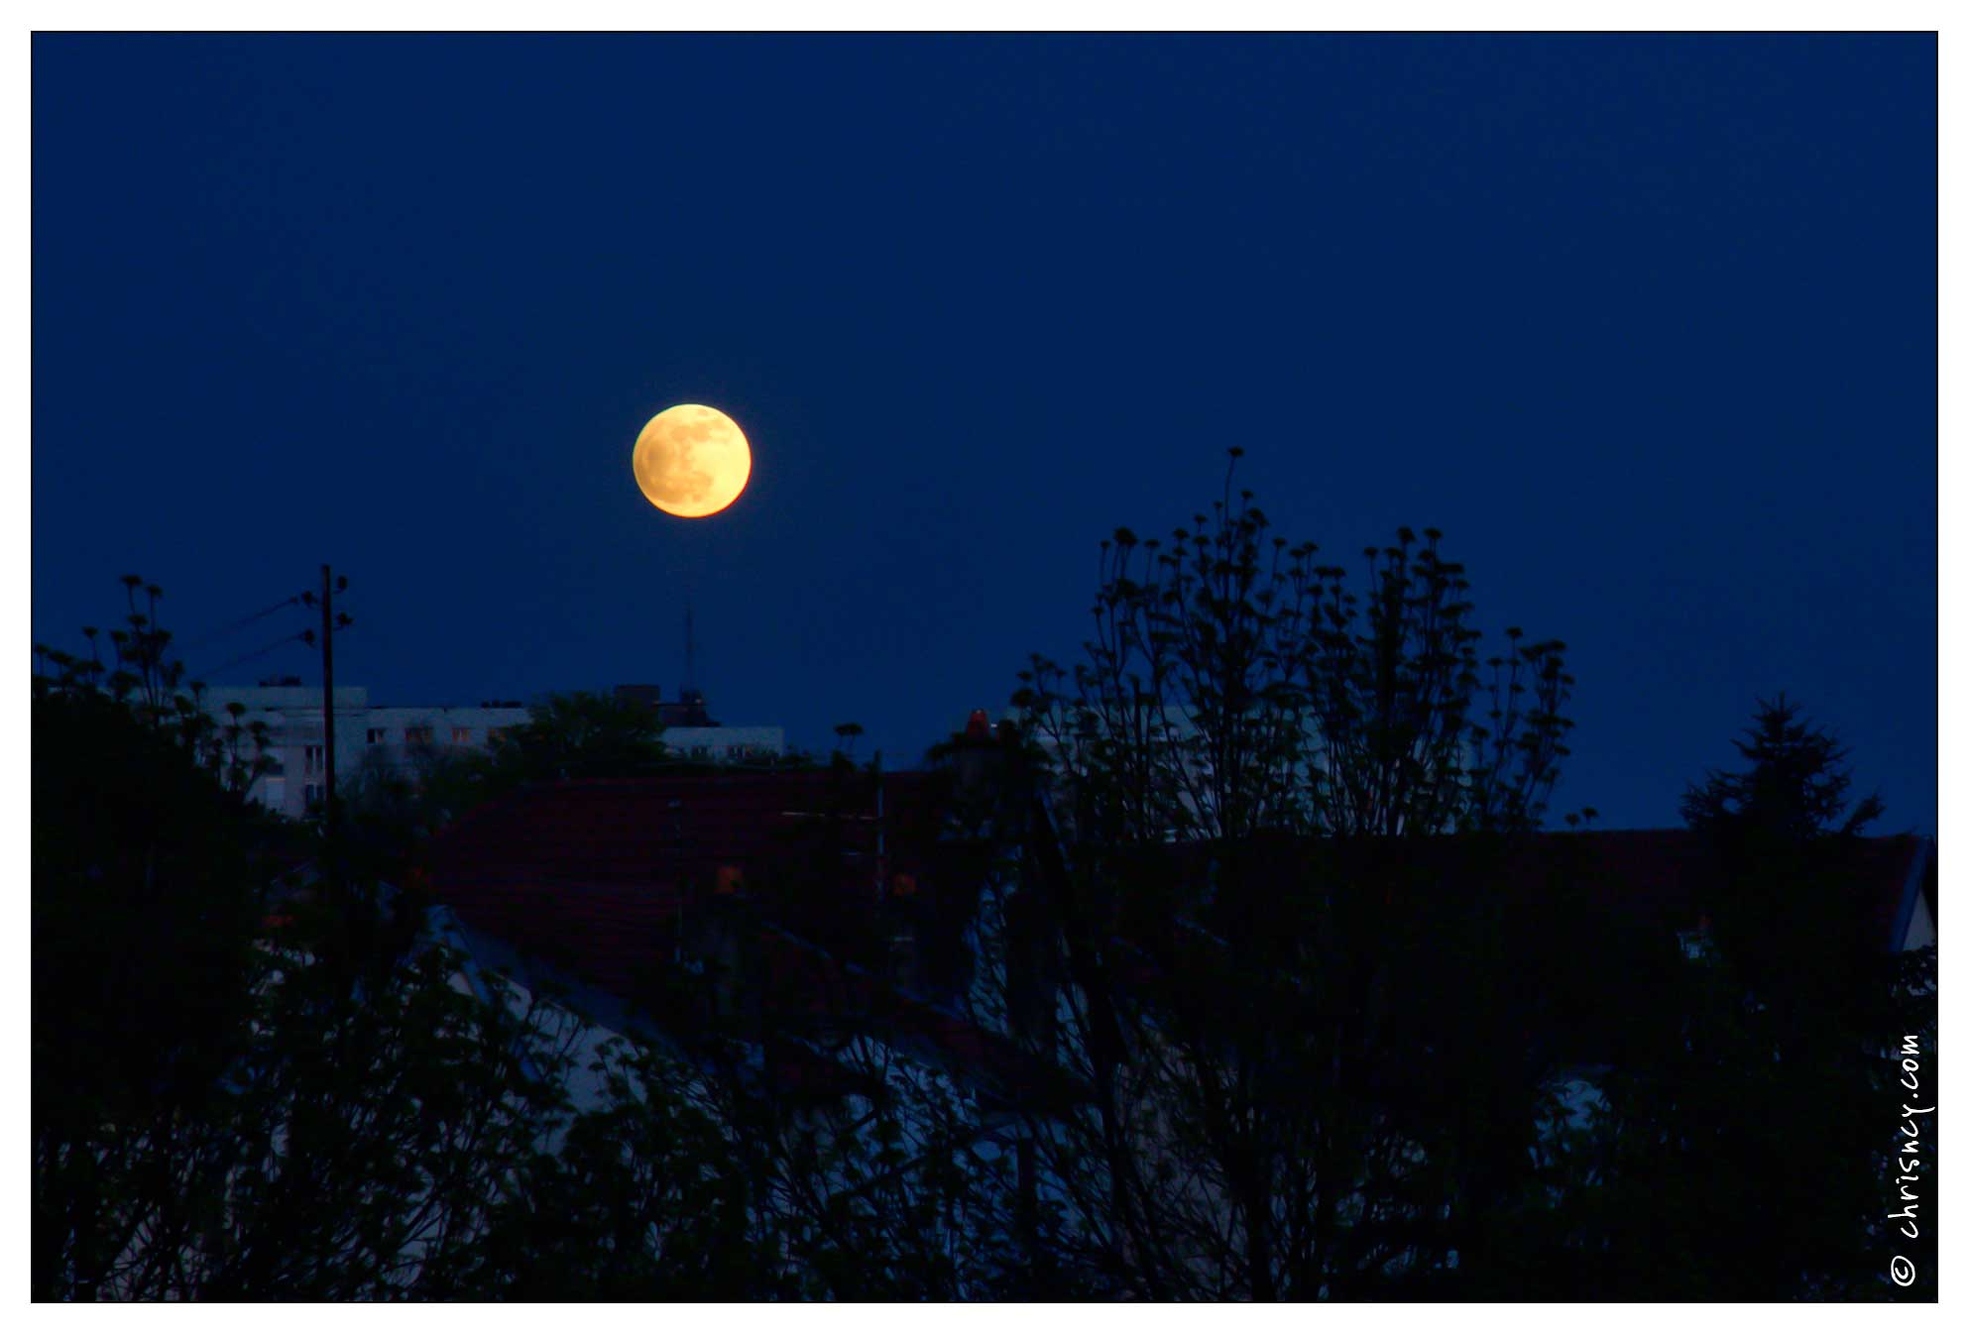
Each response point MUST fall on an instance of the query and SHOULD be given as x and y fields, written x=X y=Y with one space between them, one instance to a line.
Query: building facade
x=398 y=736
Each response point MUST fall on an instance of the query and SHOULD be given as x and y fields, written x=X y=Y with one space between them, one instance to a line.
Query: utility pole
x=328 y=696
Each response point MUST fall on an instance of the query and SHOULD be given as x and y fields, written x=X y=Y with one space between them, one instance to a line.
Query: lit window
x=461 y=736
x=417 y=736
x=493 y=734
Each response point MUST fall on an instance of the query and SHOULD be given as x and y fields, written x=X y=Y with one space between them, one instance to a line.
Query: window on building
x=378 y=735
x=314 y=759
x=311 y=794
x=417 y=736
x=461 y=736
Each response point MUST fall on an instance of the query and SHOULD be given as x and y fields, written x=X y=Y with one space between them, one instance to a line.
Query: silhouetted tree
x=1305 y=1039
x=144 y=905
x=143 y=676
x=580 y=735
x=1743 y=1152
x=230 y=1096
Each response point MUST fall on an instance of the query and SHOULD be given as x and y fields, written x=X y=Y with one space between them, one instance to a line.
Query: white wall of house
x=1918 y=930
x=1920 y=927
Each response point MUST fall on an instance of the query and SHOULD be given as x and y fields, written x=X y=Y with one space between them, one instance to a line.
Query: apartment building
x=396 y=736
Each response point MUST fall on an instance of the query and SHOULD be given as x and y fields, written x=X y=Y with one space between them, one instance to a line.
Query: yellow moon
x=691 y=461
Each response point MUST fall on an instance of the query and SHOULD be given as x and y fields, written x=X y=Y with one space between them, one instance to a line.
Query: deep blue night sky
x=1645 y=324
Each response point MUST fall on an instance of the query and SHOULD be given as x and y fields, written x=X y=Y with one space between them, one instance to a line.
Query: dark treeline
x=1257 y=880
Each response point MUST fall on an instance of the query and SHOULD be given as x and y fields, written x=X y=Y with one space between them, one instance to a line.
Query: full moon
x=691 y=461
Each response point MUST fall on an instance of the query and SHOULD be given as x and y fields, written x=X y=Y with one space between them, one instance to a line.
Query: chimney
x=976 y=753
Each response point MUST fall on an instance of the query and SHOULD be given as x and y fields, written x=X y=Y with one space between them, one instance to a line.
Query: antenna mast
x=690 y=651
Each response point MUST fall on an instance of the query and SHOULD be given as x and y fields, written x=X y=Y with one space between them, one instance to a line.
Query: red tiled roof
x=593 y=875
x=596 y=872
x=622 y=829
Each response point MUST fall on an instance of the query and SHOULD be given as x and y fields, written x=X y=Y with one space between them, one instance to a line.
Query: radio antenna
x=690 y=650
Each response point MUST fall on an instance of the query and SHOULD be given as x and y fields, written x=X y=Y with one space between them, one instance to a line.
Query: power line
x=343 y=624
x=248 y=657
x=304 y=637
x=240 y=624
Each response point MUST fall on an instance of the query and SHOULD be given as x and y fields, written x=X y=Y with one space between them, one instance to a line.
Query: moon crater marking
x=691 y=461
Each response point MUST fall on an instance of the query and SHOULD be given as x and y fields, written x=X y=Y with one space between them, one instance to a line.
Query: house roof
x=1665 y=878
x=594 y=876
x=1668 y=875
x=598 y=872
